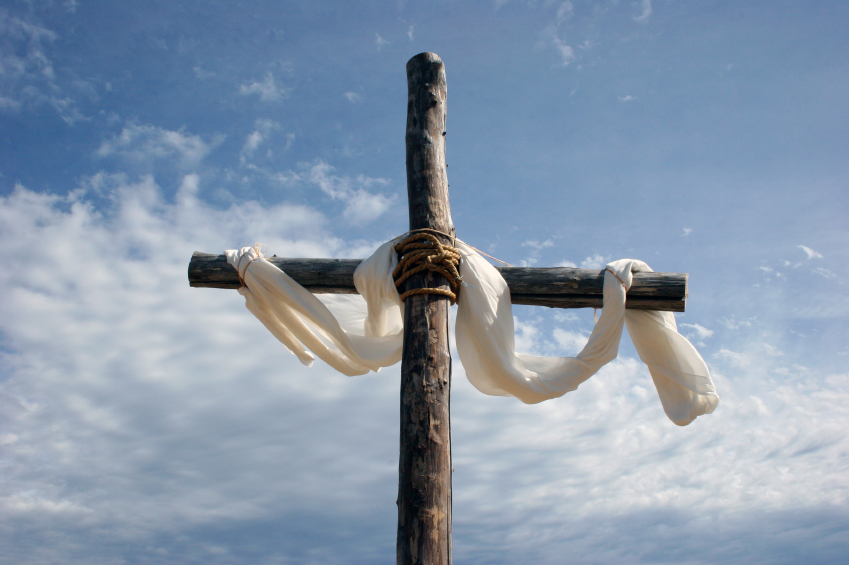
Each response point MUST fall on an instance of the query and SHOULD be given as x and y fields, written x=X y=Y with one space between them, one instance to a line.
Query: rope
x=257 y=247
x=456 y=239
x=423 y=251
x=609 y=270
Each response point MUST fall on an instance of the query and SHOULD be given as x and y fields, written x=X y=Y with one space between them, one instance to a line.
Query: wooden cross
x=424 y=482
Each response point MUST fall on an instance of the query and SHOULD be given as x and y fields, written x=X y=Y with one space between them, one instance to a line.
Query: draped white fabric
x=484 y=331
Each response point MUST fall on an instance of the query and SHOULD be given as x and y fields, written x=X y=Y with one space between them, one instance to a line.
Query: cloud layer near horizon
x=160 y=423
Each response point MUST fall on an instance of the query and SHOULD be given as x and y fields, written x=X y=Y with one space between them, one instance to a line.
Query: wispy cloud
x=252 y=141
x=28 y=78
x=687 y=231
x=551 y=38
x=811 y=254
x=567 y=54
x=353 y=97
x=770 y=273
x=410 y=32
x=379 y=42
x=733 y=324
x=266 y=89
x=9 y=103
x=595 y=261
x=699 y=332
x=536 y=248
x=148 y=143
x=564 y=11
x=570 y=342
x=263 y=130
x=826 y=273
x=202 y=74
x=538 y=245
x=735 y=358
x=361 y=205
x=646 y=10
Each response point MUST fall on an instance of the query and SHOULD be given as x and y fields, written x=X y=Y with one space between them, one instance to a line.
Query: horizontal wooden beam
x=554 y=287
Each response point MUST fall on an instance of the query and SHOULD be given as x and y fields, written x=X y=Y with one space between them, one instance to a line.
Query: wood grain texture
x=424 y=469
x=555 y=287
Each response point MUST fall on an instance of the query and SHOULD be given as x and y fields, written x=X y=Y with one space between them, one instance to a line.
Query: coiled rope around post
x=424 y=251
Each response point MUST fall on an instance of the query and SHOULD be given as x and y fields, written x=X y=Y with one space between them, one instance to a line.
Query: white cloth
x=484 y=331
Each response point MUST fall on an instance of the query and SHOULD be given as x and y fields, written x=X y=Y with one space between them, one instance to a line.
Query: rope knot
x=424 y=251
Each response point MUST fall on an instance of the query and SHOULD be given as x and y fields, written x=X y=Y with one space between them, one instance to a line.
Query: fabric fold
x=484 y=332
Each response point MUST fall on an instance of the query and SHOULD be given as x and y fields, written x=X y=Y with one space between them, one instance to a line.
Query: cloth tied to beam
x=484 y=332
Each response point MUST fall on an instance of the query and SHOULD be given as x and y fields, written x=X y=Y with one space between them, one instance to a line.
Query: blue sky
x=142 y=421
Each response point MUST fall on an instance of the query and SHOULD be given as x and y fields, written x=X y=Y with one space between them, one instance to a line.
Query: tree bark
x=554 y=287
x=424 y=478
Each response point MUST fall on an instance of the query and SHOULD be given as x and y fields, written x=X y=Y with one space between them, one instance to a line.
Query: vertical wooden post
x=424 y=482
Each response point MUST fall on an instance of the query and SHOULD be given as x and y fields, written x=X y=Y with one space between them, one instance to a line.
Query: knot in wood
x=424 y=251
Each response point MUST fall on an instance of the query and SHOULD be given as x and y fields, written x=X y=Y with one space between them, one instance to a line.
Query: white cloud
x=646 y=10
x=379 y=42
x=627 y=98
x=594 y=262
x=565 y=316
x=9 y=104
x=772 y=351
x=35 y=36
x=141 y=417
x=570 y=342
x=640 y=484
x=733 y=324
x=567 y=55
x=410 y=32
x=148 y=143
x=361 y=205
x=565 y=263
x=527 y=337
x=538 y=245
x=564 y=12
x=536 y=250
x=267 y=89
x=700 y=331
x=687 y=231
x=252 y=141
x=27 y=74
x=810 y=253
x=736 y=359
x=125 y=403
x=826 y=273
x=202 y=74
x=260 y=135
x=550 y=38
x=353 y=97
